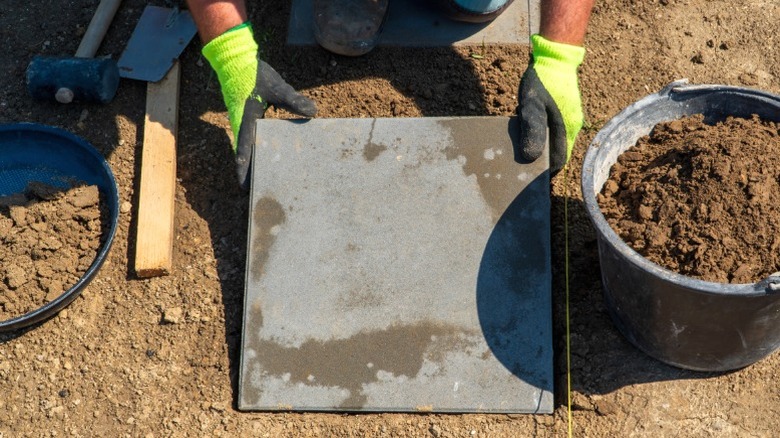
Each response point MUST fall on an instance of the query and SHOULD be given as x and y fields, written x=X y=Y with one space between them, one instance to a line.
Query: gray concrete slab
x=397 y=265
x=415 y=23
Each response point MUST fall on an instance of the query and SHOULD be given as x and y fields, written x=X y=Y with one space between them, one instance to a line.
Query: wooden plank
x=154 y=236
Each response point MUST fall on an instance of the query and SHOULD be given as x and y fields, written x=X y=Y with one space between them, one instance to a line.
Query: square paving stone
x=398 y=264
x=415 y=23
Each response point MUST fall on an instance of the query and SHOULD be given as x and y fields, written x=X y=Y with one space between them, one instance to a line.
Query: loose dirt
x=697 y=199
x=159 y=357
x=49 y=237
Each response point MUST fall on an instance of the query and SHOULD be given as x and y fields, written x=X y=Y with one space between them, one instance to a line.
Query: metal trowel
x=157 y=41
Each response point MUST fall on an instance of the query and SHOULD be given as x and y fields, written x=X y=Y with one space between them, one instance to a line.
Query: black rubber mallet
x=81 y=78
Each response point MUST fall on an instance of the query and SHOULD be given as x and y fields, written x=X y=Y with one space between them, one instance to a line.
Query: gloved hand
x=550 y=97
x=248 y=86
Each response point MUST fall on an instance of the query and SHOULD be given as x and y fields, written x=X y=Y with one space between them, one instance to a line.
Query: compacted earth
x=159 y=357
x=697 y=199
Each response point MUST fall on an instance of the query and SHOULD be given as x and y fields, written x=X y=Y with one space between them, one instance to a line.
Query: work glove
x=248 y=86
x=549 y=97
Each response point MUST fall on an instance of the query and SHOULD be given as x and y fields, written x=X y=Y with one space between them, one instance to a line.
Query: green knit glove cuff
x=233 y=56
x=556 y=65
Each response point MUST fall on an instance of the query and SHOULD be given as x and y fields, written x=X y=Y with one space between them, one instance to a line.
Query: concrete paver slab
x=415 y=23
x=397 y=265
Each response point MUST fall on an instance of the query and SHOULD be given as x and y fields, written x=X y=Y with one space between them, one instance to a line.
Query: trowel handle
x=97 y=29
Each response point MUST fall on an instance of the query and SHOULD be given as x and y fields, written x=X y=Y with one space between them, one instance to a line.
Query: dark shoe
x=472 y=11
x=349 y=27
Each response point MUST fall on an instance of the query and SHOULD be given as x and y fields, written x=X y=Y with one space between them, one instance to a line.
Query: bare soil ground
x=159 y=357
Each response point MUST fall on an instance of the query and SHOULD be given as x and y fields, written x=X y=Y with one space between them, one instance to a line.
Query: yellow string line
x=566 y=276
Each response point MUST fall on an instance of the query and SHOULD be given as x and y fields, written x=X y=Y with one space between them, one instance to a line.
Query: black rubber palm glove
x=248 y=86
x=270 y=89
x=549 y=97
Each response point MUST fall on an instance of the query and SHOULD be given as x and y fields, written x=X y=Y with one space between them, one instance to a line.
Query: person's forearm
x=214 y=17
x=565 y=21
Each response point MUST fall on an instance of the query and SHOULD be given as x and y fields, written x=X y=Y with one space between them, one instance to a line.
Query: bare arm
x=565 y=21
x=214 y=17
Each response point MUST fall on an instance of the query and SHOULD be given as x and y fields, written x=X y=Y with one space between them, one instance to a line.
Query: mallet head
x=68 y=79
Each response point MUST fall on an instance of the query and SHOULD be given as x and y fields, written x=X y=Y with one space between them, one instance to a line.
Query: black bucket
x=682 y=321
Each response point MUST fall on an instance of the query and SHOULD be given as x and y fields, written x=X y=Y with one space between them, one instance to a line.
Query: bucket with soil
x=58 y=215
x=680 y=188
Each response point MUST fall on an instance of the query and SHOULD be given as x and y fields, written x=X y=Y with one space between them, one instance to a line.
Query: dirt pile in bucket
x=49 y=237
x=701 y=199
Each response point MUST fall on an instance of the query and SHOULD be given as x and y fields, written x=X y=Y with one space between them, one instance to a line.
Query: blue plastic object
x=32 y=152
x=682 y=321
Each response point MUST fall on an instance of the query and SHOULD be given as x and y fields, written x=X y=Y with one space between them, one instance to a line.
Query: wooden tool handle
x=97 y=29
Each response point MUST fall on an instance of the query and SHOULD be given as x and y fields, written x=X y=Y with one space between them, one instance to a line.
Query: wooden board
x=154 y=237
